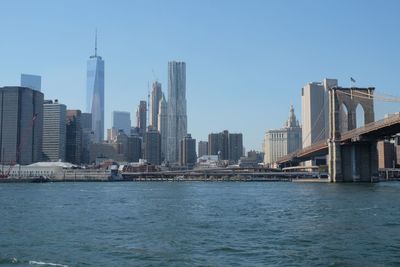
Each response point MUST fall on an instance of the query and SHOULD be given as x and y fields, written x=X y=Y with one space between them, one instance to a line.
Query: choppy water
x=199 y=224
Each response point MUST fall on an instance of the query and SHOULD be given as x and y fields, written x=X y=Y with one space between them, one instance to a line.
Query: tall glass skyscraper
x=95 y=94
x=177 y=119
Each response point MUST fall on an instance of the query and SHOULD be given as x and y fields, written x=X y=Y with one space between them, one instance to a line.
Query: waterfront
x=204 y=224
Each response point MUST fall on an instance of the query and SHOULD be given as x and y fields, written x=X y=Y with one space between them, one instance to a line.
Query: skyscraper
x=74 y=137
x=54 y=131
x=95 y=94
x=177 y=119
x=121 y=120
x=87 y=136
x=156 y=95
x=134 y=149
x=228 y=146
x=202 y=148
x=235 y=146
x=21 y=125
x=218 y=144
x=163 y=125
x=141 y=117
x=280 y=142
x=187 y=151
x=314 y=108
x=31 y=81
x=314 y=111
x=152 y=151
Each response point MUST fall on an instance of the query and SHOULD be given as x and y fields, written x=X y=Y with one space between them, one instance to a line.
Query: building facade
x=235 y=147
x=141 y=117
x=31 y=81
x=163 y=126
x=121 y=120
x=280 y=142
x=156 y=95
x=54 y=131
x=87 y=136
x=177 y=117
x=74 y=137
x=218 y=144
x=152 y=152
x=228 y=146
x=187 y=151
x=202 y=148
x=21 y=125
x=134 y=149
x=95 y=94
x=314 y=108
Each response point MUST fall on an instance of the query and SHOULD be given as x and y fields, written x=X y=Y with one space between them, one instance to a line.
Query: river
x=200 y=224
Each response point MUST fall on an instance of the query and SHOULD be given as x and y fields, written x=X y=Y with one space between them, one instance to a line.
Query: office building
x=87 y=136
x=74 y=137
x=21 y=125
x=163 y=126
x=156 y=95
x=314 y=108
x=112 y=135
x=228 y=146
x=31 y=81
x=121 y=120
x=218 y=144
x=177 y=118
x=54 y=131
x=141 y=117
x=280 y=142
x=187 y=151
x=235 y=147
x=152 y=151
x=95 y=94
x=99 y=152
x=203 y=148
x=386 y=154
x=134 y=149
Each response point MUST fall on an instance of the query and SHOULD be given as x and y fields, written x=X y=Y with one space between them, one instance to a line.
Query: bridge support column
x=358 y=162
x=335 y=161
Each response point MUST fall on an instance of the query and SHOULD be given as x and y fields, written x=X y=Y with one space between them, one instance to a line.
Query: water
x=199 y=224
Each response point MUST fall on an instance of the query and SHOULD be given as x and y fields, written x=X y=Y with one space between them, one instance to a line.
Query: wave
x=46 y=263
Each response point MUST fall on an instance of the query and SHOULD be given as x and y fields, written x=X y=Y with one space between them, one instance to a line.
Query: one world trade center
x=95 y=94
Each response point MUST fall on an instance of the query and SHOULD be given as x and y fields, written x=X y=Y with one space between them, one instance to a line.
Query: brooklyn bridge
x=351 y=152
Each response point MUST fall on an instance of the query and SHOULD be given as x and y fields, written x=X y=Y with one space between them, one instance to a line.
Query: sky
x=246 y=61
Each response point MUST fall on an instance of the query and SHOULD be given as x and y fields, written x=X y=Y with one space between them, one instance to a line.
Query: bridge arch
x=360 y=116
x=355 y=160
x=344 y=117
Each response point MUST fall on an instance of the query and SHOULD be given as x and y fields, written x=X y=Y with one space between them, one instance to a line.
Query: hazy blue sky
x=246 y=60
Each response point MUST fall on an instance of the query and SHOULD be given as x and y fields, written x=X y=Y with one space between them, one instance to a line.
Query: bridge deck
x=378 y=130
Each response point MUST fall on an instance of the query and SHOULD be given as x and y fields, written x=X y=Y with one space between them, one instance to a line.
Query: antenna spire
x=95 y=44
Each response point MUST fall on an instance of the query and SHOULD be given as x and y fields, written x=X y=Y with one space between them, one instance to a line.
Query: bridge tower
x=357 y=160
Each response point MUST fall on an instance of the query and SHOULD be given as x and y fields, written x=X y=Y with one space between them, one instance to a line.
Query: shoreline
x=247 y=180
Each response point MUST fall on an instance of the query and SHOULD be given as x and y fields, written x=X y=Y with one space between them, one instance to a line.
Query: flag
x=352 y=80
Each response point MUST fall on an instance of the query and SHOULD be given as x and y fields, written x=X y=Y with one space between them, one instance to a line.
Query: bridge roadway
x=378 y=130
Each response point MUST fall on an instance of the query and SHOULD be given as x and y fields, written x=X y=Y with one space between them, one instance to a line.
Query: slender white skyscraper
x=95 y=93
x=156 y=95
x=163 y=125
x=177 y=119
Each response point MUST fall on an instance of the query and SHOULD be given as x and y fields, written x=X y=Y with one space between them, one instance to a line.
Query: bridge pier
x=335 y=161
x=356 y=161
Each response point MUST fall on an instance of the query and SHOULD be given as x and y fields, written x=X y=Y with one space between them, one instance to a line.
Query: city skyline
x=274 y=48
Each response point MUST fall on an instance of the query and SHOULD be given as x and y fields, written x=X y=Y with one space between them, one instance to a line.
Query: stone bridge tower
x=356 y=160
